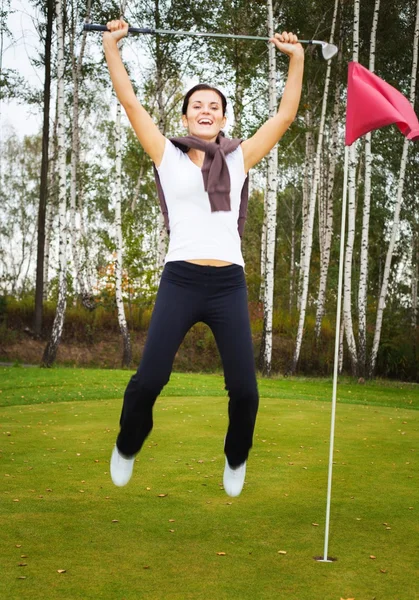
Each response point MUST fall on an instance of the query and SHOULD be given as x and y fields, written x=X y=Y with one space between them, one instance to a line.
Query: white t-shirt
x=195 y=231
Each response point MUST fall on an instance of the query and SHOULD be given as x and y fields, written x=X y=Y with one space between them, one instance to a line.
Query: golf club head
x=328 y=50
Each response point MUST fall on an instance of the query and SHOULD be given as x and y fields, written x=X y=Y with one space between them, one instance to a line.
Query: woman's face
x=204 y=116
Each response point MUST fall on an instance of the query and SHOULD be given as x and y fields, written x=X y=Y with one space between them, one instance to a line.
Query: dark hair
x=203 y=86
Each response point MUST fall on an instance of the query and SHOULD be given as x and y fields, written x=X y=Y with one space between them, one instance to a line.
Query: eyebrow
x=200 y=102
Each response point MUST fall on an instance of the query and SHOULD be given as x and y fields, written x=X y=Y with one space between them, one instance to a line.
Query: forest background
x=81 y=239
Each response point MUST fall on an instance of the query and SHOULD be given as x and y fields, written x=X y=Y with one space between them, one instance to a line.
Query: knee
x=146 y=385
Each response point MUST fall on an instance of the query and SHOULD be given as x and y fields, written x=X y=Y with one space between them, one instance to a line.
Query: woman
x=202 y=185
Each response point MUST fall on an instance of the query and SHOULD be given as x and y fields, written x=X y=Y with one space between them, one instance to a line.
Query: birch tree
x=326 y=210
x=126 y=339
x=265 y=359
x=363 y=271
x=50 y=351
x=305 y=209
x=415 y=277
x=76 y=66
x=43 y=190
x=399 y=198
x=347 y=285
x=305 y=266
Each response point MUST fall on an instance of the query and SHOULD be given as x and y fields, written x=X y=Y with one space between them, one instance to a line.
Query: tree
x=363 y=271
x=43 y=190
x=265 y=358
x=51 y=348
x=399 y=198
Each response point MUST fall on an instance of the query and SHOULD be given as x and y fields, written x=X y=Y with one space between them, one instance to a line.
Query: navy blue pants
x=187 y=294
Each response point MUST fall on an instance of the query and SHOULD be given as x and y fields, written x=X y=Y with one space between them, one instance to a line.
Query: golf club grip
x=93 y=27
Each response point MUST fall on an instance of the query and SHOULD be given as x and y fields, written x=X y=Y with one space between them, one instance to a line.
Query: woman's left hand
x=288 y=43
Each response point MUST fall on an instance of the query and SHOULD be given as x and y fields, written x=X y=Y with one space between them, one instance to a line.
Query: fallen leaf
x=146 y=567
x=23 y=556
x=281 y=552
x=372 y=556
x=23 y=564
x=162 y=495
x=221 y=553
x=383 y=570
x=171 y=520
x=115 y=521
x=61 y=571
x=172 y=530
x=18 y=545
x=315 y=524
x=22 y=577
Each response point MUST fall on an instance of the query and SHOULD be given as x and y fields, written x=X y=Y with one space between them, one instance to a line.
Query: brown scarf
x=215 y=175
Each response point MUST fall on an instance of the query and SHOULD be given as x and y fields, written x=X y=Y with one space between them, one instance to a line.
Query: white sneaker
x=121 y=468
x=233 y=479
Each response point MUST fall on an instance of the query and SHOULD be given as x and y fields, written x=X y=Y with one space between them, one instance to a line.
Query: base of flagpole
x=329 y=559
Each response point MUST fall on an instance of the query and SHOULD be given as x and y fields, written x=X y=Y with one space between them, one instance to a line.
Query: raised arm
x=145 y=129
x=258 y=146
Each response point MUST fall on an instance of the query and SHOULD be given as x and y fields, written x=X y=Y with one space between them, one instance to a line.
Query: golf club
x=328 y=50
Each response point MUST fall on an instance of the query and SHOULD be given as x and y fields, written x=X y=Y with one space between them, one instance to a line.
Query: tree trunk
x=43 y=192
x=50 y=352
x=347 y=286
x=305 y=265
x=265 y=357
x=307 y=182
x=126 y=340
x=396 y=219
x=415 y=278
x=75 y=154
x=363 y=271
x=292 y=255
x=328 y=213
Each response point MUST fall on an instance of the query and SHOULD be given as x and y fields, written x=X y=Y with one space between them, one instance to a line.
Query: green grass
x=59 y=509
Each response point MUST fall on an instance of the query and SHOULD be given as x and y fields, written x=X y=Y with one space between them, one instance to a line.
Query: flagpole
x=336 y=361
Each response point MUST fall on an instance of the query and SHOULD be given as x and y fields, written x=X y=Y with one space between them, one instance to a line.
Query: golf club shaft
x=146 y=30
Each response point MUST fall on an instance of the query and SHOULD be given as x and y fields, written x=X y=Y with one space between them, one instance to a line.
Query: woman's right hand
x=118 y=29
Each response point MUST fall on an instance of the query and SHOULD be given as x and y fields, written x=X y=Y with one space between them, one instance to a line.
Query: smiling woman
x=202 y=186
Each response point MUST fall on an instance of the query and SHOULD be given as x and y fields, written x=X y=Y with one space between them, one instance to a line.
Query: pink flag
x=372 y=103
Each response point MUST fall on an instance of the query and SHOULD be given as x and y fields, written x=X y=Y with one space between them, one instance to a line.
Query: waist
x=209 y=262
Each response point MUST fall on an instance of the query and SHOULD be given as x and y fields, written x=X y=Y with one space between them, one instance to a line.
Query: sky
x=16 y=55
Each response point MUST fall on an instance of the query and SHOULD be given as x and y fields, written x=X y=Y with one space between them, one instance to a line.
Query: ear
x=185 y=121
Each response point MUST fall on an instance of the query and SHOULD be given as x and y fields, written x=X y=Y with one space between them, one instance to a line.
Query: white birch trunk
x=50 y=351
x=271 y=206
x=415 y=278
x=326 y=207
x=363 y=271
x=328 y=216
x=307 y=182
x=51 y=206
x=396 y=219
x=127 y=353
x=305 y=265
x=75 y=156
x=263 y=255
x=126 y=340
x=292 y=255
x=341 y=345
x=347 y=286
